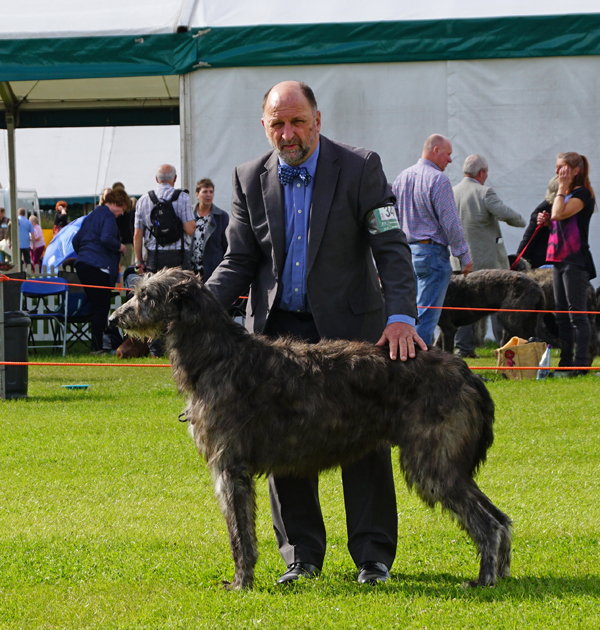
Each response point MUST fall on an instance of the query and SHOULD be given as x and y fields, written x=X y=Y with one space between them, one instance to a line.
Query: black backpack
x=165 y=225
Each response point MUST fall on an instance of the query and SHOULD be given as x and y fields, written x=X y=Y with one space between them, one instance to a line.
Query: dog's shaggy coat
x=258 y=406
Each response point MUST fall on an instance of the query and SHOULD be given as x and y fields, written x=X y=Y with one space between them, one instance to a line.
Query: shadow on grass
x=446 y=586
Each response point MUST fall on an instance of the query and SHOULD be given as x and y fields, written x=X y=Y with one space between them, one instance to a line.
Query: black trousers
x=99 y=298
x=369 y=494
x=25 y=256
x=570 y=294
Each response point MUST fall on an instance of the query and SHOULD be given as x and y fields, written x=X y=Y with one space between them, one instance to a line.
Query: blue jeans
x=433 y=271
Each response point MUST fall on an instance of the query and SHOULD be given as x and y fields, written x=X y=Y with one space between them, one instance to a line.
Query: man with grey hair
x=480 y=211
x=428 y=217
x=173 y=254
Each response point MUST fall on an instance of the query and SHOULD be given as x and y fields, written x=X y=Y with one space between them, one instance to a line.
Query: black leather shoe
x=372 y=572
x=298 y=570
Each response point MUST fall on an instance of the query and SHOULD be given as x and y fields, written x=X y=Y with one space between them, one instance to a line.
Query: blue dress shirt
x=297 y=200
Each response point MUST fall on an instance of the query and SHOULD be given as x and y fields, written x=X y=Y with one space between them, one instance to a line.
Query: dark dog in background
x=493 y=289
x=258 y=406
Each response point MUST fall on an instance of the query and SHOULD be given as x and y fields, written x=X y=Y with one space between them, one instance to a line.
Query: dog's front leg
x=235 y=489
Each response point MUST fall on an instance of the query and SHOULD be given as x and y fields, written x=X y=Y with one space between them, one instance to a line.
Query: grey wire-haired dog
x=258 y=406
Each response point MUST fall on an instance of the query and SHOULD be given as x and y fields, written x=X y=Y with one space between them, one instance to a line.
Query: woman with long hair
x=569 y=251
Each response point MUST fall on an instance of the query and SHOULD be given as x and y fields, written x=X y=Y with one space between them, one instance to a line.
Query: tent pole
x=14 y=223
x=185 y=133
x=11 y=106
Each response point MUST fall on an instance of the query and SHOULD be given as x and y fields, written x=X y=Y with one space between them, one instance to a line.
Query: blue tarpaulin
x=60 y=247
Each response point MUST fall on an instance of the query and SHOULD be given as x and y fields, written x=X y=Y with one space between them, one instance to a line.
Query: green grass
x=108 y=519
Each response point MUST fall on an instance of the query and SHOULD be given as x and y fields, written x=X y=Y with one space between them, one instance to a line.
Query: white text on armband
x=382 y=220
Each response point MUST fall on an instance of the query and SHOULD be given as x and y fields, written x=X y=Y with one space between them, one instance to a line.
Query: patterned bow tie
x=287 y=173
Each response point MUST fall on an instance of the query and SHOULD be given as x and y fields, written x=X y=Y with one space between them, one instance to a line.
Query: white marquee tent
x=515 y=81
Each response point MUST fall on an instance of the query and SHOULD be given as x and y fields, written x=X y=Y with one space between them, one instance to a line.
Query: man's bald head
x=291 y=121
x=437 y=149
x=285 y=87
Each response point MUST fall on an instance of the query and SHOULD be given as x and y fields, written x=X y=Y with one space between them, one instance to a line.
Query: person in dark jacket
x=60 y=218
x=125 y=225
x=535 y=253
x=98 y=247
x=209 y=242
x=569 y=252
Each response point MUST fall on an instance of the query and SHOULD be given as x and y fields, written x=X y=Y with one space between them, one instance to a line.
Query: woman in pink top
x=38 y=244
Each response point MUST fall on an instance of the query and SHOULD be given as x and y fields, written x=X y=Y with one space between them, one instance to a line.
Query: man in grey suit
x=307 y=220
x=481 y=211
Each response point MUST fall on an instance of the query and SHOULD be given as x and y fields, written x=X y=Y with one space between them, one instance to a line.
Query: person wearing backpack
x=163 y=217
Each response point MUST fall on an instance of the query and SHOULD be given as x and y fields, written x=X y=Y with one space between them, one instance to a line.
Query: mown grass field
x=108 y=520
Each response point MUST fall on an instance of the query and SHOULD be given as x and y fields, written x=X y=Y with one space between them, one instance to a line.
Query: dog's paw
x=473 y=584
x=235 y=585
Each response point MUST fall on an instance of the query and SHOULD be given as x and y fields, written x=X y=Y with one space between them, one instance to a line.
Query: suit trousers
x=369 y=493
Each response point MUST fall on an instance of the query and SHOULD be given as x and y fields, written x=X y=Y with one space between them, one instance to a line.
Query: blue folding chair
x=79 y=315
x=36 y=299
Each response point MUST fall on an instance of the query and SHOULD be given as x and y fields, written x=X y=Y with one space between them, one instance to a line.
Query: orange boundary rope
x=4 y=278
x=150 y=365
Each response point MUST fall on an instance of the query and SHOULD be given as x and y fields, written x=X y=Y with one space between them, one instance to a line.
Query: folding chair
x=41 y=295
x=79 y=320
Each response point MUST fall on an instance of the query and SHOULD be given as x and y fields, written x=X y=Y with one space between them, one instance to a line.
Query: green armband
x=382 y=220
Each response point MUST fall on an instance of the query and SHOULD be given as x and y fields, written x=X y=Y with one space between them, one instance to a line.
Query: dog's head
x=168 y=297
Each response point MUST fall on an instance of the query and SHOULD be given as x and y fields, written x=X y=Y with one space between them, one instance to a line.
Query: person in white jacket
x=481 y=210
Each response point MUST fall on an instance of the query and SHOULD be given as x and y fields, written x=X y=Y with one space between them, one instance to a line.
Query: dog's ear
x=186 y=298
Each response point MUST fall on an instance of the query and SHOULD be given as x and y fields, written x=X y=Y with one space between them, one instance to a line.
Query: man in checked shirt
x=429 y=218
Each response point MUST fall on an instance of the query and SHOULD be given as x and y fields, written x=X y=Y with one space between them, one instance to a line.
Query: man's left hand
x=401 y=337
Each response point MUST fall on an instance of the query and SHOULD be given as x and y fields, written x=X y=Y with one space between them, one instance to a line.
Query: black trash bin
x=16 y=335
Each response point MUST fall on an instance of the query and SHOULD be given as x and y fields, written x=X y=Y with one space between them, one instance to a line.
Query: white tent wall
x=78 y=162
x=519 y=113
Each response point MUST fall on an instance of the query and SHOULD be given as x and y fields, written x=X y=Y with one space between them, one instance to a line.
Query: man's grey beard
x=298 y=156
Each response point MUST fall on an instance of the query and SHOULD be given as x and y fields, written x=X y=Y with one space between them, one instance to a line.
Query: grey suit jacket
x=343 y=290
x=480 y=211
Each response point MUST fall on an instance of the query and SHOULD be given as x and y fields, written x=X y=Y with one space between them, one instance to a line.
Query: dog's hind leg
x=235 y=488
x=486 y=525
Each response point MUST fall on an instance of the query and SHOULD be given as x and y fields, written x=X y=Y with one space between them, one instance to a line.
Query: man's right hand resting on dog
x=401 y=337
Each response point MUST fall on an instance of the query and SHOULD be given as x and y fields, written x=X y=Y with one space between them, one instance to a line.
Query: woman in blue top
x=98 y=247
x=569 y=250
